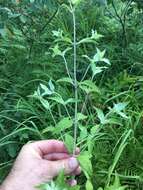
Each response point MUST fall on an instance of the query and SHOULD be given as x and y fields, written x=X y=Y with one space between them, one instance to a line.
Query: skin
x=40 y=162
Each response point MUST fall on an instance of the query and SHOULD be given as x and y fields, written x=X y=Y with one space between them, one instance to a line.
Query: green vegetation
x=72 y=70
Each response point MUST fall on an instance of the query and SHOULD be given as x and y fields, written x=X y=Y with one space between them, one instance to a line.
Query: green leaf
x=83 y=132
x=123 y=115
x=88 y=86
x=48 y=129
x=113 y=121
x=46 y=90
x=120 y=106
x=75 y=2
x=105 y=60
x=65 y=123
x=90 y=144
x=58 y=184
x=45 y=103
x=81 y=116
x=85 y=163
x=60 y=181
x=96 y=70
x=100 y=115
x=50 y=186
x=70 y=100
x=95 y=35
x=89 y=185
x=66 y=80
x=52 y=88
x=56 y=51
x=23 y=19
x=77 y=187
x=69 y=142
x=58 y=33
x=116 y=185
x=99 y=57
x=58 y=99
x=94 y=129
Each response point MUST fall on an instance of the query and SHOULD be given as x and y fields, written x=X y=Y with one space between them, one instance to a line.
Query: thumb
x=68 y=165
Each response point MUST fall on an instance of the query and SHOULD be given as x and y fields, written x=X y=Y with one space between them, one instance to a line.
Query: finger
x=72 y=182
x=77 y=171
x=56 y=156
x=77 y=151
x=68 y=165
x=50 y=146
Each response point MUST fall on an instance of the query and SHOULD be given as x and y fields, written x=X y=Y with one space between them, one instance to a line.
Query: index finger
x=50 y=146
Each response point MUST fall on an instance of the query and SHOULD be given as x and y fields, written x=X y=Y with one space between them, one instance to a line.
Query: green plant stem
x=52 y=117
x=75 y=78
x=85 y=73
x=67 y=111
x=67 y=69
x=84 y=104
x=75 y=85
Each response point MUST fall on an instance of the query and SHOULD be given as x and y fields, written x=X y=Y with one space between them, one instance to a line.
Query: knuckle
x=26 y=146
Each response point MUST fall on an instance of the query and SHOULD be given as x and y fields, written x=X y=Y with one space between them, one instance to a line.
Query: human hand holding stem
x=40 y=162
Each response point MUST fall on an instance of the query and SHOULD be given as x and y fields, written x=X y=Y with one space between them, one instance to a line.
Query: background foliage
x=112 y=115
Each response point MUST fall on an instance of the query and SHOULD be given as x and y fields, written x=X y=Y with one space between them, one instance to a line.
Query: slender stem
x=85 y=73
x=52 y=117
x=75 y=78
x=67 y=111
x=67 y=69
x=84 y=104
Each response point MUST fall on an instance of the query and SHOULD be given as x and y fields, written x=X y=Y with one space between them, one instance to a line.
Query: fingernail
x=73 y=163
x=72 y=182
x=77 y=151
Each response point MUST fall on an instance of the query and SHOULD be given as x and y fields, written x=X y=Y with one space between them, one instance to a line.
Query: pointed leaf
x=89 y=185
x=65 y=80
x=88 y=86
x=69 y=142
x=85 y=163
x=100 y=115
x=58 y=99
x=81 y=116
x=45 y=103
x=65 y=123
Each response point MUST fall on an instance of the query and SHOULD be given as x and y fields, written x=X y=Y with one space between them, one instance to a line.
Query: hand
x=40 y=162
